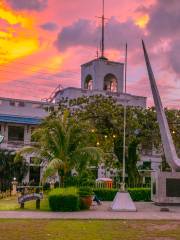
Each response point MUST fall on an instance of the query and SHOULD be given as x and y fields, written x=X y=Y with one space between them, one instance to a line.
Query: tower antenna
x=102 y=48
x=102 y=39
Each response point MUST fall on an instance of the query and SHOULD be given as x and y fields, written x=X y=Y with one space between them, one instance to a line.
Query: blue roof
x=20 y=120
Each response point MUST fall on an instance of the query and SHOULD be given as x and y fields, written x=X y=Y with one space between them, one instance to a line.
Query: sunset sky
x=44 y=42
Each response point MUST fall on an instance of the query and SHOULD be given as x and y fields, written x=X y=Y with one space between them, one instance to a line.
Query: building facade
x=18 y=118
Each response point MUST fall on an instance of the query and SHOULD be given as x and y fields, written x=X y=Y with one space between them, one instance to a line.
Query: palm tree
x=63 y=145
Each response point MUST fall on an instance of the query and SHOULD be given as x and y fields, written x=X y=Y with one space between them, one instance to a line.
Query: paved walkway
x=146 y=211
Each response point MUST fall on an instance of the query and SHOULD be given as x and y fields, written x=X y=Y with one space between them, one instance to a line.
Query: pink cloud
x=77 y=42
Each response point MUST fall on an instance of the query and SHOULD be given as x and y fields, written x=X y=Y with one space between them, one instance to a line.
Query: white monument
x=123 y=201
x=165 y=185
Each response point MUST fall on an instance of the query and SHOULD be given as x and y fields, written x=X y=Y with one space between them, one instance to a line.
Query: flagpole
x=124 y=132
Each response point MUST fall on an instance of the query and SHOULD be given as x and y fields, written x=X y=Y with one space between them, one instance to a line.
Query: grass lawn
x=11 y=203
x=88 y=230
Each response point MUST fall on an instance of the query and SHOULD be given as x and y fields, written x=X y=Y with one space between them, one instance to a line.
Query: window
x=21 y=104
x=36 y=105
x=34 y=175
x=12 y=103
x=15 y=133
x=88 y=84
x=110 y=83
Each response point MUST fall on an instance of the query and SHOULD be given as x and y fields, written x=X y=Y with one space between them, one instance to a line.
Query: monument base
x=165 y=188
x=123 y=203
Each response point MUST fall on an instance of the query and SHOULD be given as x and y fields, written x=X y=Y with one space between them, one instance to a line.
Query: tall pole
x=124 y=134
x=102 y=40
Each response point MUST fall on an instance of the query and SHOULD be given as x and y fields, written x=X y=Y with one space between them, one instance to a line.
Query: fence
x=5 y=194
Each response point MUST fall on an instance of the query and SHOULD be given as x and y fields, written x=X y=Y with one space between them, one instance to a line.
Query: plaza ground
x=10 y=209
x=99 y=223
x=24 y=229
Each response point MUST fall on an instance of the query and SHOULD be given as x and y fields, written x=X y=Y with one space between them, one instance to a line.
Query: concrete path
x=147 y=211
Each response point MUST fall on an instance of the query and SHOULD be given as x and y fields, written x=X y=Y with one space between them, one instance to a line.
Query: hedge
x=137 y=194
x=64 y=199
x=140 y=194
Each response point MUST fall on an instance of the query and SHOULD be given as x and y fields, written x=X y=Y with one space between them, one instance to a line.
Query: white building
x=19 y=117
x=101 y=77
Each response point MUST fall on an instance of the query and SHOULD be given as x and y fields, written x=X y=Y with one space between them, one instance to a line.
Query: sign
x=173 y=187
x=30 y=197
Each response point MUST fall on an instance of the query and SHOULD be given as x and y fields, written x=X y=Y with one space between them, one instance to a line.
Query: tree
x=10 y=169
x=132 y=159
x=63 y=144
x=105 y=116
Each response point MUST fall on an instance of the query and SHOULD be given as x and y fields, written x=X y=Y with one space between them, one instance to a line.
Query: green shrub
x=85 y=191
x=105 y=194
x=137 y=194
x=64 y=199
x=140 y=194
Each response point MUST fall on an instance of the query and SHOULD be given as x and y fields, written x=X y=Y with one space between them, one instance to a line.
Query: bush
x=85 y=191
x=105 y=194
x=140 y=194
x=137 y=194
x=64 y=199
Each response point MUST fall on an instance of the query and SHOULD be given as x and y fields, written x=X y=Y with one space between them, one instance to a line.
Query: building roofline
x=100 y=59
x=23 y=100
x=113 y=93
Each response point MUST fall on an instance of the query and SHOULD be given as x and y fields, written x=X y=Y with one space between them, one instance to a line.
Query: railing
x=114 y=185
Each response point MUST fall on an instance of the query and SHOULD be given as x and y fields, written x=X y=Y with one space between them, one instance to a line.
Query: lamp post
x=14 y=187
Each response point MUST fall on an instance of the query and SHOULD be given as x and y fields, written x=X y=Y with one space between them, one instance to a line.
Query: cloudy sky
x=44 y=42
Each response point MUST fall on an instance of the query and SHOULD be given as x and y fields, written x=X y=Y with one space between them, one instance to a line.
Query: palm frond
x=52 y=168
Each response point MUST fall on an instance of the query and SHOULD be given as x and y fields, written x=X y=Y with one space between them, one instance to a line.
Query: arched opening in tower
x=110 y=83
x=88 y=83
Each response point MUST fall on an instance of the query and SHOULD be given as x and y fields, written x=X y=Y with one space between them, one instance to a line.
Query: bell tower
x=101 y=74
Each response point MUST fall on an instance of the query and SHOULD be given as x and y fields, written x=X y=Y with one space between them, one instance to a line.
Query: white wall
x=98 y=69
x=30 y=108
x=121 y=98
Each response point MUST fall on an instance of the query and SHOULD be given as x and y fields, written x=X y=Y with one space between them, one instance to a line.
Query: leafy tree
x=10 y=169
x=131 y=165
x=105 y=116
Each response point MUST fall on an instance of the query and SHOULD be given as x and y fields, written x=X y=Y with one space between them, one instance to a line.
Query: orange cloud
x=19 y=38
x=142 y=21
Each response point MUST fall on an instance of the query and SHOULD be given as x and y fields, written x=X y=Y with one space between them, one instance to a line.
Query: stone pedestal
x=14 y=188
x=123 y=203
x=165 y=188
